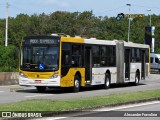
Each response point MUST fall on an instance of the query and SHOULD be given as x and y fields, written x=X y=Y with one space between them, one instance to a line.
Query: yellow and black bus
x=61 y=61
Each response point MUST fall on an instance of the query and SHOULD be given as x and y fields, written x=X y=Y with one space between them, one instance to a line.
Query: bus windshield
x=39 y=58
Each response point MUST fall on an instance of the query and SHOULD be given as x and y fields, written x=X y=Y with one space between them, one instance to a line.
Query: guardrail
x=8 y=78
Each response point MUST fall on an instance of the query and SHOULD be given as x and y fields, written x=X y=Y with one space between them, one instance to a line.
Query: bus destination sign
x=41 y=41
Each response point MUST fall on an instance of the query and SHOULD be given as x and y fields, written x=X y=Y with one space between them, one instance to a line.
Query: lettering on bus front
x=41 y=41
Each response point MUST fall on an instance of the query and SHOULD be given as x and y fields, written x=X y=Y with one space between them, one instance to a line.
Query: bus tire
x=41 y=89
x=107 y=82
x=136 y=79
x=76 y=86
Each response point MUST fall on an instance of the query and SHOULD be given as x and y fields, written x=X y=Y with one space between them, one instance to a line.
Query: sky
x=108 y=8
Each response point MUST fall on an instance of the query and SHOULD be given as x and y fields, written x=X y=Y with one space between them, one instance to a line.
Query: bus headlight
x=55 y=75
x=22 y=75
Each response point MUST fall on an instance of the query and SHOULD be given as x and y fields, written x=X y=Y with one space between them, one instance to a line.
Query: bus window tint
x=147 y=55
x=76 y=55
x=66 y=51
x=151 y=59
x=103 y=56
x=112 y=56
x=138 y=55
x=96 y=56
x=156 y=60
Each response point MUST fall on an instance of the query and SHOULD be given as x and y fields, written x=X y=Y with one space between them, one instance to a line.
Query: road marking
x=127 y=106
x=1 y=91
x=38 y=95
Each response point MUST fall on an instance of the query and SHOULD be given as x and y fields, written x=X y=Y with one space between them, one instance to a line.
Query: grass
x=65 y=105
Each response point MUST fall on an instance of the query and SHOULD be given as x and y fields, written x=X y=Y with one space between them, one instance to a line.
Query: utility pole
x=6 y=35
x=150 y=18
x=129 y=23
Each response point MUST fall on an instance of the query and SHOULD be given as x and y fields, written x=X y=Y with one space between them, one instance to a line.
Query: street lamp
x=129 y=22
x=150 y=17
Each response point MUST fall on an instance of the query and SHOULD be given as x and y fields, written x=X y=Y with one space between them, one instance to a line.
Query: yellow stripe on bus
x=73 y=40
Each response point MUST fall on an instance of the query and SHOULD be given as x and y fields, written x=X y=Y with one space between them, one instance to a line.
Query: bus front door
x=127 y=64
x=88 y=64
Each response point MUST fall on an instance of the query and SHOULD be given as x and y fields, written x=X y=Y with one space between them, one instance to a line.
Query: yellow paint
x=40 y=75
x=72 y=39
x=68 y=80
x=60 y=58
x=149 y=60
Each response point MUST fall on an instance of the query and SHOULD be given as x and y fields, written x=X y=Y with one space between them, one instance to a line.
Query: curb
x=81 y=110
x=58 y=113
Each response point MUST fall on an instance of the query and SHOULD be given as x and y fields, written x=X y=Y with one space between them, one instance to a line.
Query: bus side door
x=88 y=64
x=127 y=63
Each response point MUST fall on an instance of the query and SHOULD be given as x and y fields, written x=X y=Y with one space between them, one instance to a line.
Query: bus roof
x=155 y=55
x=131 y=44
x=102 y=42
x=96 y=41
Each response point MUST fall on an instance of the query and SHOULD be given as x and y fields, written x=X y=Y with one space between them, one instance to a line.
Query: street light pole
x=6 y=35
x=150 y=18
x=129 y=23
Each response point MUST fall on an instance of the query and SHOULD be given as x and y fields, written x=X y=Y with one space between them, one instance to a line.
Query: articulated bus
x=61 y=61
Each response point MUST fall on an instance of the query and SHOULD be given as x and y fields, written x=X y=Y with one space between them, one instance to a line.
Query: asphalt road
x=142 y=111
x=15 y=93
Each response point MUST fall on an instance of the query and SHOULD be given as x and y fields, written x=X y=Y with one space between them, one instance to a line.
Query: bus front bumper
x=39 y=82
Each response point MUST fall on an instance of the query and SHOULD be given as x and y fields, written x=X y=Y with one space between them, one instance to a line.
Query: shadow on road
x=69 y=90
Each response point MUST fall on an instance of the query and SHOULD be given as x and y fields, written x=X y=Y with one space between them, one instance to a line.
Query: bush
x=8 y=59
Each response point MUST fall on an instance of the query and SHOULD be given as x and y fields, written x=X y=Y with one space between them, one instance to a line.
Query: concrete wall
x=8 y=78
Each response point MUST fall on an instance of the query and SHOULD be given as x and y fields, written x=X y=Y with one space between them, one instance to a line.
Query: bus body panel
x=55 y=82
x=68 y=79
x=98 y=75
x=39 y=79
x=120 y=61
x=42 y=75
x=72 y=40
x=134 y=68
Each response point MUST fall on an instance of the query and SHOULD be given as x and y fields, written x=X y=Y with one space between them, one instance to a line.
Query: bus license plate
x=37 y=81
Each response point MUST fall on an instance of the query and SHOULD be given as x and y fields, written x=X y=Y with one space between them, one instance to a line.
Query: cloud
x=58 y=2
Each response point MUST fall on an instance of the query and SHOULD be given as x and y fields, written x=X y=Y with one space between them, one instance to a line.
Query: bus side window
x=66 y=51
x=151 y=59
x=103 y=51
x=147 y=55
x=156 y=60
x=137 y=55
x=76 y=55
x=65 y=58
x=96 y=56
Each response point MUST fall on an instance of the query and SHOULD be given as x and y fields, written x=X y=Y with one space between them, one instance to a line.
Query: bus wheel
x=41 y=89
x=107 y=82
x=136 y=79
x=76 y=84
